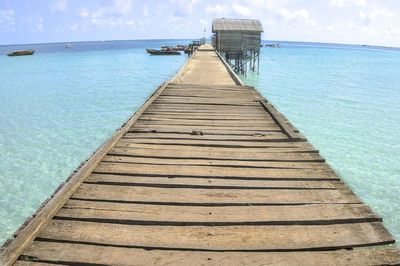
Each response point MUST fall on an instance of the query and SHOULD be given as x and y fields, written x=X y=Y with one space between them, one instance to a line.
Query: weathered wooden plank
x=281 y=122
x=208 y=122
x=256 y=108
x=210 y=92
x=210 y=147
x=222 y=172
x=216 y=163
x=206 y=101
x=28 y=261
x=212 y=154
x=255 y=128
x=212 y=196
x=213 y=216
x=211 y=88
x=216 y=87
x=197 y=142
x=242 y=95
x=241 y=238
x=239 y=99
x=209 y=106
x=78 y=253
x=211 y=182
x=183 y=114
x=316 y=214
x=271 y=144
x=190 y=85
x=211 y=143
x=235 y=118
x=206 y=131
x=206 y=109
x=173 y=130
x=200 y=136
x=197 y=110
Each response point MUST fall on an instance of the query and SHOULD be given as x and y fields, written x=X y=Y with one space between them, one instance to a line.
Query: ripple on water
x=346 y=101
x=58 y=107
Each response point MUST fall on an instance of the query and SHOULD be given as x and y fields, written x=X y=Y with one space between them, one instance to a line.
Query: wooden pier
x=207 y=172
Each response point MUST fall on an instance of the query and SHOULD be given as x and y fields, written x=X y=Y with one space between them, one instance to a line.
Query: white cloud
x=7 y=17
x=381 y=12
x=299 y=17
x=266 y=4
x=39 y=25
x=203 y=22
x=83 y=13
x=59 y=6
x=217 y=9
x=363 y=18
x=391 y=31
x=145 y=11
x=241 y=10
x=113 y=15
x=122 y=7
x=337 y=3
x=362 y=3
x=183 y=8
x=73 y=27
x=346 y=3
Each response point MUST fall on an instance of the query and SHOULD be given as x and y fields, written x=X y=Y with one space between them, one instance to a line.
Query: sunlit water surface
x=59 y=105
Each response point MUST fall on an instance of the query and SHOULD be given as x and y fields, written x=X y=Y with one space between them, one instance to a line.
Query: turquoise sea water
x=59 y=105
x=346 y=100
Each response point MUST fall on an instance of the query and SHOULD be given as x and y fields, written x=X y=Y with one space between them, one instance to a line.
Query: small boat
x=68 y=46
x=19 y=53
x=273 y=45
x=161 y=52
x=180 y=47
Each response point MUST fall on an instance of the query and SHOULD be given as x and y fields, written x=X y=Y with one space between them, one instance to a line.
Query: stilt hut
x=239 y=41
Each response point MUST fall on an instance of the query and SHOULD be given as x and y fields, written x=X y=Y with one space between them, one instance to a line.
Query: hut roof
x=225 y=24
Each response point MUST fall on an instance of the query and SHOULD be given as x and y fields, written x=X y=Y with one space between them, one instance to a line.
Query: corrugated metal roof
x=227 y=24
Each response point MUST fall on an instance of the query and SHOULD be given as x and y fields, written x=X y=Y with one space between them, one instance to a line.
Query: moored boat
x=161 y=52
x=273 y=45
x=19 y=53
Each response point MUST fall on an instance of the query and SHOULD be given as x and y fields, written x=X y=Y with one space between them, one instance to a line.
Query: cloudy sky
x=338 y=21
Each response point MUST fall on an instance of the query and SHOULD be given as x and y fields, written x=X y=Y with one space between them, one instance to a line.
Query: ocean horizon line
x=188 y=39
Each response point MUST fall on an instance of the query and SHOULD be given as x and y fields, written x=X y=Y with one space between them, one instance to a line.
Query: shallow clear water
x=59 y=105
x=346 y=100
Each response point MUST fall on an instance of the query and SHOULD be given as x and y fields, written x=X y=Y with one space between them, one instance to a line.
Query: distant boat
x=273 y=45
x=160 y=52
x=178 y=47
x=19 y=53
x=68 y=46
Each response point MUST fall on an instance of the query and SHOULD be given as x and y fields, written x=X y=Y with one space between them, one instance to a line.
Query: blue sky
x=341 y=21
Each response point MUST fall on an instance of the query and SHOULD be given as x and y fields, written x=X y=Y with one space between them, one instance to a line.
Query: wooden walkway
x=207 y=172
